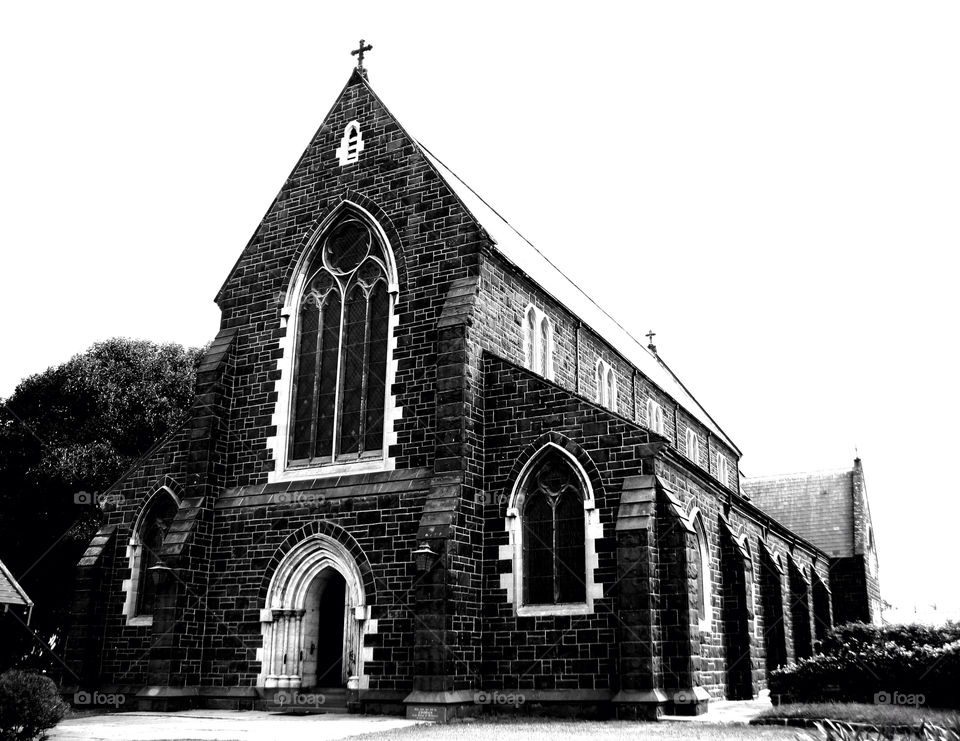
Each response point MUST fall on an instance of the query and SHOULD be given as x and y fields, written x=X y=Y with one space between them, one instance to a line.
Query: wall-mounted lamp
x=161 y=573
x=424 y=557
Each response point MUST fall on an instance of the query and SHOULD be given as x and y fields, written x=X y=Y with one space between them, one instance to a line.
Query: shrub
x=29 y=705
x=854 y=636
x=900 y=664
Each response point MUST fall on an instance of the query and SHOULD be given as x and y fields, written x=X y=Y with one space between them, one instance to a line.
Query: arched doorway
x=314 y=619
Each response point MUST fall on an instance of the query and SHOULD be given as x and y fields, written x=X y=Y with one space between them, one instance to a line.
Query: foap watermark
x=501 y=699
x=99 y=699
x=486 y=498
x=294 y=699
x=309 y=498
x=104 y=501
x=900 y=698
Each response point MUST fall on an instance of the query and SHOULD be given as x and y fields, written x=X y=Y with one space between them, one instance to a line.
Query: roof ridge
x=432 y=158
x=797 y=474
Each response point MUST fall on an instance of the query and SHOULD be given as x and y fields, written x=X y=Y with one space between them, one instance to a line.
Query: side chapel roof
x=817 y=506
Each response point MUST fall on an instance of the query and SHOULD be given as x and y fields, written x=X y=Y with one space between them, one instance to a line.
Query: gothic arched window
x=538 y=342
x=655 y=417
x=341 y=358
x=147 y=543
x=605 y=381
x=704 y=582
x=553 y=533
x=530 y=335
x=693 y=445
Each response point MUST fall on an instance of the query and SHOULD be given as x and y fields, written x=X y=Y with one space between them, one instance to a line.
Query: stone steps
x=306 y=701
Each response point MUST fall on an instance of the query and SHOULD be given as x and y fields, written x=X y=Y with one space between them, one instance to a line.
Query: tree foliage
x=74 y=429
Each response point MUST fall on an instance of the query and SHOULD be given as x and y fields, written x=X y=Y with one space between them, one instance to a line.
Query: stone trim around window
x=351 y=145
x=512 y=580
x=605 y=383
x=705 y=578
x=279 y=443
x=655 y=421
x=134 y=555
x=538 y=342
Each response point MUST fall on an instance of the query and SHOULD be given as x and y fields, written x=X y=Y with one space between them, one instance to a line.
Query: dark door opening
x=330 y=634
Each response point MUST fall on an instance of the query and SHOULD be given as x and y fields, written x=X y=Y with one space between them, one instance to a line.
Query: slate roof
x=11 y=593
x=816 y=506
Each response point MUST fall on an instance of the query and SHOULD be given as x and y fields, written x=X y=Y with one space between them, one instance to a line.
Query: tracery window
x=553 y=532
x=538 y=342
x=605 y=381
x=341 y=357
x=147 y=544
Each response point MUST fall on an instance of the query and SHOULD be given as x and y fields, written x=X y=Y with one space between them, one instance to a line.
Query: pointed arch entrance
x=314 y=617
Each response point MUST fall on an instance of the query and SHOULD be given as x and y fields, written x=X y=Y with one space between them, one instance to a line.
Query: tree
x=74 y=429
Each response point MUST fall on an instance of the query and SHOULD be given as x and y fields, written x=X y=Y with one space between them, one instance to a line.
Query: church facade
x=425 y=475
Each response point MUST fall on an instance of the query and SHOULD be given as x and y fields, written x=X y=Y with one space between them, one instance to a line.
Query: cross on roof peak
x=358 y=53
x=650 y=335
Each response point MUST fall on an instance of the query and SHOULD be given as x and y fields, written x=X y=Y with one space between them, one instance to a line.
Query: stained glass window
x=340 y=376
x=553 y=534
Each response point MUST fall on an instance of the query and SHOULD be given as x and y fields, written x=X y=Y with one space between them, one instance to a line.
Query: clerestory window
x=605 y=381
x=693 y=445
x=655 y=417
x=538 y=342
x=723 y=470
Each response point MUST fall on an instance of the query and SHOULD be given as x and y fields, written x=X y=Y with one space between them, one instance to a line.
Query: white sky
x=771 y=187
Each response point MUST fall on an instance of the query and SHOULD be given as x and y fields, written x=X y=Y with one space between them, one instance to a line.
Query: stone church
x=424 y=475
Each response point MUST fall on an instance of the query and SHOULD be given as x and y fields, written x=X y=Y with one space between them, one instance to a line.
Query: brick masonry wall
x=505 y=295
x=434 y=242
x=462 y=434
x=573 y=652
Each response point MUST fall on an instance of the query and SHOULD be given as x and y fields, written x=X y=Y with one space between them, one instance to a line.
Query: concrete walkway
x=221 y=725
x=729 y=712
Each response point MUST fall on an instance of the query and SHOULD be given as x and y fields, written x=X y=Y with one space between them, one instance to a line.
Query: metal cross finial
x=650 y=335
x=358 y=53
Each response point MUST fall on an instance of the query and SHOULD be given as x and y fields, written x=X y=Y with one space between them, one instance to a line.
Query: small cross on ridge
x=650 y=335
x=358 y=53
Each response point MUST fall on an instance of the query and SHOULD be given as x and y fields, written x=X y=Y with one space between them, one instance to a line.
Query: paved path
x=739 y=712
x=221 y=725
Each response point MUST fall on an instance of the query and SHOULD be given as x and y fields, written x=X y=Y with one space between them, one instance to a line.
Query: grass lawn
x=855 y=712
x=541 y=729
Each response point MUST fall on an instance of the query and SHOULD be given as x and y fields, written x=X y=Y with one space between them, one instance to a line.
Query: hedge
x=898 y=664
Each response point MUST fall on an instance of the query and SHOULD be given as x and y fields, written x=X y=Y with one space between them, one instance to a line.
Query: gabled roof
x=11 y=593
x=817 y=506
x=518 y=250
x=521 y=252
